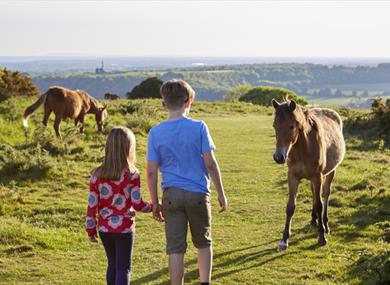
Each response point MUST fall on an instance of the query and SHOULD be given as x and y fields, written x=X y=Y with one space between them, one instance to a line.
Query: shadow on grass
x=33 y=173
x=370 y=211
x=372 y=267
x=193 y=275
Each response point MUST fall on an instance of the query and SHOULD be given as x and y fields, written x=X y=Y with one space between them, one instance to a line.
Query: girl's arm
x=151 y=178
x=136 y=199
x=93 y=201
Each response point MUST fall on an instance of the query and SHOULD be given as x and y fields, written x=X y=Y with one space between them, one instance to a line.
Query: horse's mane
x=304 y=117
x=92 y=100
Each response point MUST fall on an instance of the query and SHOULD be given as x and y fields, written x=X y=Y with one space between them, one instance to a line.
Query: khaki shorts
x=181 y=207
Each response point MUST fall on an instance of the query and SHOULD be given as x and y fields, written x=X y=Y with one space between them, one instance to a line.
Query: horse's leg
x=293 y=183
x=81 y=120
x=57 y=122
x=325 y=196
x=313 y=210
x=317 y=182
x=46 y=116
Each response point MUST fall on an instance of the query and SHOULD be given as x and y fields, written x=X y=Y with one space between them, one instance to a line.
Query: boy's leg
x=199 y=216
x=175 y=232
x=205 y=263
x=124 y=250
x=109 y=246
x=176 y=268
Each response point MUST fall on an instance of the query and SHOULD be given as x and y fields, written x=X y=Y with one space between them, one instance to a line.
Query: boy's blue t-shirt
x=178 y=146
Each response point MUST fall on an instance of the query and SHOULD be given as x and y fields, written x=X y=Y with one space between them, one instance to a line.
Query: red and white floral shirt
x=115 y=202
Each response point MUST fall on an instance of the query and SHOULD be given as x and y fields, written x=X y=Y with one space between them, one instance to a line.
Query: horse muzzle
x=279 y=158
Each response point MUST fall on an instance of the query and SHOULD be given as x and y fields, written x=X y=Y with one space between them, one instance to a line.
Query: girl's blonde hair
x=120 y=154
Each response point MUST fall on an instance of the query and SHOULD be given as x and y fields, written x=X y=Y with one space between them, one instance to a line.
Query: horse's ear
x=292 y=105
x=275 y=103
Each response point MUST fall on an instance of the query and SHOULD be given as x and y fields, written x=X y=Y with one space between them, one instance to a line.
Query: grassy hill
x=44 y=186
x=324 y=84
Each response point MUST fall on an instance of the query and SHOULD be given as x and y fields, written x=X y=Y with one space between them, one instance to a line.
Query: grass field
x=44 y=186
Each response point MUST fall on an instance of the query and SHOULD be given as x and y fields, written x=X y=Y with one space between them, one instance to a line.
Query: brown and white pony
x=312 y=143
x=66 y=103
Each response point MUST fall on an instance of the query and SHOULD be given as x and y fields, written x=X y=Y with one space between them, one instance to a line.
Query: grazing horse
x=66 y=103
x=110 y=96
x=312 y=143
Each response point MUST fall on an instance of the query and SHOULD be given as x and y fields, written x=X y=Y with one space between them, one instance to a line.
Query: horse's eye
x=291 y=127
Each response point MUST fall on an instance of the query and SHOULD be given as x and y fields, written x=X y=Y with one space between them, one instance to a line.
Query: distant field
x=42 y=239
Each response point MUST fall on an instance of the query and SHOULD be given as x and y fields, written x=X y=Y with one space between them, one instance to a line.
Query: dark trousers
x=119 y=248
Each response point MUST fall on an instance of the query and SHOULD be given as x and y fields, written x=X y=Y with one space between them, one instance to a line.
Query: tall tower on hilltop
x=101 y=69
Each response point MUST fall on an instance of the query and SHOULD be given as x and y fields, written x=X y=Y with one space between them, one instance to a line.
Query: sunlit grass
x=42 y=237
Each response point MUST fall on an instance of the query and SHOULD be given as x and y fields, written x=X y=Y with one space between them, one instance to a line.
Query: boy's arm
x=215 y=175
x=151 y=179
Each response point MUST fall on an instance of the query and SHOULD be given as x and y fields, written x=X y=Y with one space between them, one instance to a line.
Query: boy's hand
x=93 y=238
x=222 y=202
x=157 y=212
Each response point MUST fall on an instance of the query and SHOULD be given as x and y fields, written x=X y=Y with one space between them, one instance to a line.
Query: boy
x=182 y=149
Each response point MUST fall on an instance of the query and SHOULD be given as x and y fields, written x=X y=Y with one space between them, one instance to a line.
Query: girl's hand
x=222 y=202
x=157 y=212
x=93 y=238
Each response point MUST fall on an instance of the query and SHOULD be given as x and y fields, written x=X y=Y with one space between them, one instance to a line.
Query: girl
x=114 y=194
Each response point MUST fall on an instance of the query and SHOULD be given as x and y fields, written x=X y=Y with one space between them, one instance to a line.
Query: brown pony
x=66 y=103
x=312 y=143
x=110 y=96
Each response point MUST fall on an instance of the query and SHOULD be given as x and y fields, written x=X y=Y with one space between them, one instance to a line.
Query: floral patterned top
x=115 y=202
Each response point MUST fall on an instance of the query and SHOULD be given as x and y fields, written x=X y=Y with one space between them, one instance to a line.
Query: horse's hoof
x=322 y=241
x=282 y=246
x=313 y=223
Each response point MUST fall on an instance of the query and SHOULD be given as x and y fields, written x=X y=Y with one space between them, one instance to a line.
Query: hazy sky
x=196 y=28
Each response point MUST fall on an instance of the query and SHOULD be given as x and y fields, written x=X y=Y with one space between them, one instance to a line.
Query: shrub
x=15 y=84
x=263 y=95
x=236 y=92
x=149 y=88
x=381 y=111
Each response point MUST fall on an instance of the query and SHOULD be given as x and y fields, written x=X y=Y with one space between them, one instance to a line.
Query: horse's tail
x=32 y=108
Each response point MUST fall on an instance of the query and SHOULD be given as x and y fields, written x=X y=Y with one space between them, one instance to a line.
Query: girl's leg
x=124 y=251
x=109 y=247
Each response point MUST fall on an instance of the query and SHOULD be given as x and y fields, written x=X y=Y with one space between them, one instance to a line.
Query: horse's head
x=100 y=116
x=286 y=128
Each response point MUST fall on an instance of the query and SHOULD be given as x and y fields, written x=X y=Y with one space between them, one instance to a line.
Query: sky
x=196 y=28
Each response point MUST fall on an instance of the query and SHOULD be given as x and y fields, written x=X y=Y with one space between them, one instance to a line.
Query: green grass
x=44 y=186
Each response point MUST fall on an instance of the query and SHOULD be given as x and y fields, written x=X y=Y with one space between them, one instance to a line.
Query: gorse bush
x=381 y=112
x=236 y=92
x=371 y=126
x=15 y=84
x=149 y=88
x=263 y=95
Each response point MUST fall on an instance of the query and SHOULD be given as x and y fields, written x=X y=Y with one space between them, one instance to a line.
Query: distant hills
x=349 y=83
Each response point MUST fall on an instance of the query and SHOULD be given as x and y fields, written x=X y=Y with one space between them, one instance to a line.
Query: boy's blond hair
x=119 y=154
x=176 y=93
